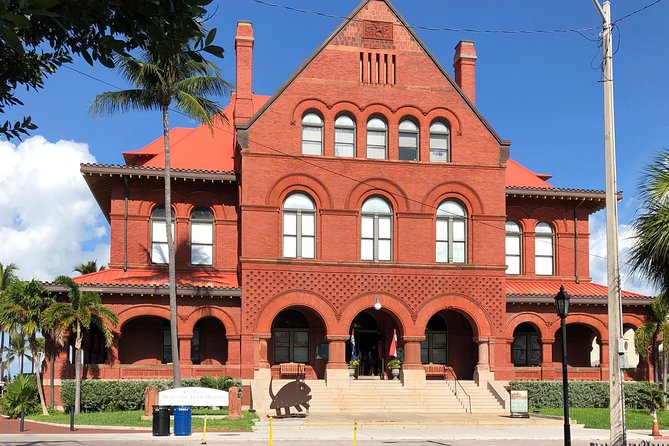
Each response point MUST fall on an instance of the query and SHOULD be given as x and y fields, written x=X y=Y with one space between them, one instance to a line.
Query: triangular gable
x=420 y=43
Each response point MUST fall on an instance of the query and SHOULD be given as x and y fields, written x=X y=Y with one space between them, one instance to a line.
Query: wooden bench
x=440 y=371
x=291 y=369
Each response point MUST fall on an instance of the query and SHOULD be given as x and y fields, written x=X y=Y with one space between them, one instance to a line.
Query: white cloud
x=629 y=280
x=49 y=221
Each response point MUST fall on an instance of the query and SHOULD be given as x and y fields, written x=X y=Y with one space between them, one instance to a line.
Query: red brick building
x=368 y=178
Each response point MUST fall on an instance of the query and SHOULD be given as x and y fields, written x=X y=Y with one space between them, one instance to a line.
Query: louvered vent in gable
x=378 y=68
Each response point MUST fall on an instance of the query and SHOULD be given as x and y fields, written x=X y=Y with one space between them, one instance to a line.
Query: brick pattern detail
x=377 y=30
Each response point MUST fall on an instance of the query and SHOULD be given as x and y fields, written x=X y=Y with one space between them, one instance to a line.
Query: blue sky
x=542 y=91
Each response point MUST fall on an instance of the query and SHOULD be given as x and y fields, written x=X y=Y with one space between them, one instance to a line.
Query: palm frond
x=111 y=102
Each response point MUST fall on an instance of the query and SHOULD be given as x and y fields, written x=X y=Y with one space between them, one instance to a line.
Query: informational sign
x=519 y=404
x=193 y=396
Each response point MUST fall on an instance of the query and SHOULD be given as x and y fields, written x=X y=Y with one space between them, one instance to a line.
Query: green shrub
x=548 y=394
x=21 y=393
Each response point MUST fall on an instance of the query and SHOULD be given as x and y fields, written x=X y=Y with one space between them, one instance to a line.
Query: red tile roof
x=158 y=277
x=520 y=176
x=195 y=148
x=550 y=288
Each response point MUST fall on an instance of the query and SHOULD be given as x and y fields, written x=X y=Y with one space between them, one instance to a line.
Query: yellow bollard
x=204 y=431
x=355 y=433
x=270 y=431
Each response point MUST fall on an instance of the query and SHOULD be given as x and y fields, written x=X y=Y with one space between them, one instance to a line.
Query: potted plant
x=394 y=366
x=353 y=366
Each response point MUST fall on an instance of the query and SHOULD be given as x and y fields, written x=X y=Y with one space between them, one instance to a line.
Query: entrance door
x=369 y=342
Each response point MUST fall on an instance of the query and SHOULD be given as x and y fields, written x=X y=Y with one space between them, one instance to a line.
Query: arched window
x=376 y=231
x=299 y=227
x=526 y=346
x=377 y=139
x=291 y=337
x=544 y=252
x=513 y=248
x=202 y=237
x=312 y=134
x=159 y=253
x=408 y=140
x=434 y=349
x=451 y=232
x=344 y=136
x=440 y=142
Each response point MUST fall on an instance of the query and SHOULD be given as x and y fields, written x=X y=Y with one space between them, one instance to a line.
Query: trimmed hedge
x=106 y=396
x=582 y=393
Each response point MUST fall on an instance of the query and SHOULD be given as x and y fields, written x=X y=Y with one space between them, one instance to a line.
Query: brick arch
x=156 y=197
x=376 y=109
x=377 y=186
x=206 y=199
x=519 y=215
x=452 y=189
x=346 y=107
x=588 y=320
x=447 y=115
x=294 y=182
x=142 y=311
x=393 y=305
x=468 y=307
x=303 y=299
x=409 y=112
x=309 y=104
x=633 y=320
x=550 y=216
x=210 y=311
x=534 y=319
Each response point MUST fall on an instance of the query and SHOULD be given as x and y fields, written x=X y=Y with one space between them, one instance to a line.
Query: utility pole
x=616 y=403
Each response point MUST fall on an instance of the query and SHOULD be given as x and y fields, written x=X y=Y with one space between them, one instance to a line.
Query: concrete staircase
x=369 y=396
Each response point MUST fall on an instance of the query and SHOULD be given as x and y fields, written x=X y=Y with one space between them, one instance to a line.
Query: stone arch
x=452 y=189
x=294 y=182
x=141 y=311
x=468 y=307
x=377 y=186
x=314 y=302
x=209 y=311
x=392 y=304
x=534 y=319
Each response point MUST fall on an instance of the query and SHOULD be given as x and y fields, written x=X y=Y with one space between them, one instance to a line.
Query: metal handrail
x=457 y=383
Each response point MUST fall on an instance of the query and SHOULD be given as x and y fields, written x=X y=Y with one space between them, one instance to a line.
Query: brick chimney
x=464 y=63
x=244 y=51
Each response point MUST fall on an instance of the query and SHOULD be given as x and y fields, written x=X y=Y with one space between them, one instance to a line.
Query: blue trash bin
x=182 y=420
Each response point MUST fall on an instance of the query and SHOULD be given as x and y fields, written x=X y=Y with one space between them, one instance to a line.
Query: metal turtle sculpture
x=294 y=394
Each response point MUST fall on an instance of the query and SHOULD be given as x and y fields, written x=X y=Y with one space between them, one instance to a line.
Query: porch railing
x=457 y=385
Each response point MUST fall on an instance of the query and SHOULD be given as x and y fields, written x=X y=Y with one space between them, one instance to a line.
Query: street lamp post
x=562 y=304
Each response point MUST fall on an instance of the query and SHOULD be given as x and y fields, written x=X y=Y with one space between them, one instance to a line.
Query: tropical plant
x=647 y=335
x=88 y=267
x=21 y=395
x=394 y=364
x=163 y=80
x=7 y=277
x=649 y=256
x=17 y=349
x=81 y=311
x=26 y=304
x=353 y=363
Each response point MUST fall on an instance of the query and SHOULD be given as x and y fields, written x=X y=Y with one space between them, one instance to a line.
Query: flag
x=393 y=345
x=354 y=349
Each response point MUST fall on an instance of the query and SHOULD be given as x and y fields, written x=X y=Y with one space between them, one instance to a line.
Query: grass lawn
x=599 y=418
x=134 y=418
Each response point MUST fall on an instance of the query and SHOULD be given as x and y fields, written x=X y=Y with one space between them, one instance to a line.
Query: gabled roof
x=519 y=175
x=351 y=17
x=544 y=291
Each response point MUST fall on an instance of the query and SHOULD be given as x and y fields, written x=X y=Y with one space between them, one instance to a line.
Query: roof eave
x=578 y=300
x=156 y=290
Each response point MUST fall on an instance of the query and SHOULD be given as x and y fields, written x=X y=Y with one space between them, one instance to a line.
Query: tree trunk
x=52 y=365
x=77 y=371
x=2 y=356
x=40 y=386
x=171 y=249
x=656 y=355
x=21 y=363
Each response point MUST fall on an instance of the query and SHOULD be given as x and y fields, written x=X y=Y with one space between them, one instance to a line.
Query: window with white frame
x=544 y=250
x=440 y=142
x=451 y=232
x=513 y=248
x=376 y=232
x=344 y=136
x=408 y=140
x=202 y=237
x=299 y=227
x=312 y=134
x=159 y=252
x=377 y=139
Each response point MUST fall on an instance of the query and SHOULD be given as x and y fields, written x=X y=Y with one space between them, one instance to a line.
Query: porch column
x=547 y=365
x=604 y=359
x=413 y=373
x=232 y=364
x=263 y=352
x=184 y=349
x=336 y=370
x=482 y=374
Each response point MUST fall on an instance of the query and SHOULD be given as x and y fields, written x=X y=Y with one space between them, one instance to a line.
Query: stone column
x=233 y=362
x=262 y=374
x=336 y=370
x=413 y=373
x=482 y=374
x=184 y=349
x=604 y=359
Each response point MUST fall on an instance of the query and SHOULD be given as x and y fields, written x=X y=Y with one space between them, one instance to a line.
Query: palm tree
x=83 y=310
x=163 y=80
x=7 y=277
x=647 y=335
x=650 y=253
x=26 y=304
x=16 y=349
x=89 y=267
